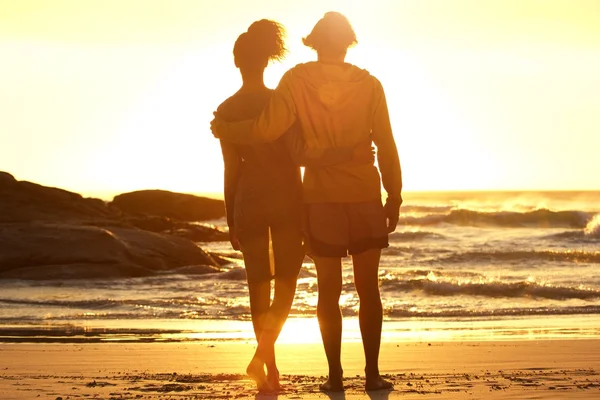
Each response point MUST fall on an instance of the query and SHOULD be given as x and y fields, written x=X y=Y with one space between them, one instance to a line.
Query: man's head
x=331 y=36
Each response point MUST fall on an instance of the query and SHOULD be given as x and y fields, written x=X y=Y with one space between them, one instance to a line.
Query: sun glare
x=300 y=330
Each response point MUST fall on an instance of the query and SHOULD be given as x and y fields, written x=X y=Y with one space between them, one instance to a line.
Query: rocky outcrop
x=50 y=233
x=183 y=207
x=191 y=231
x=25 y=201
x=39 y=250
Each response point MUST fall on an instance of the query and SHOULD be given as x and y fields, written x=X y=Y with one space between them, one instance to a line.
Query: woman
x=337 y=104
x=263 y=195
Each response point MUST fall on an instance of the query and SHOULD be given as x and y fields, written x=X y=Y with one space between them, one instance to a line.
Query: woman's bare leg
x=288 y=255
x=255 y=248
x=285 y=291
x=260 y=299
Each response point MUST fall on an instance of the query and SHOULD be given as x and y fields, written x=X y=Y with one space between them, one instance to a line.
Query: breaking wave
x=542 y=218
x=573 y=256
x=503 y=312
x=590 y=233
x=414 y=236
x=490 y=289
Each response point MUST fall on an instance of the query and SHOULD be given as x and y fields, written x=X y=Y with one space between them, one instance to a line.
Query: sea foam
x=592 y=229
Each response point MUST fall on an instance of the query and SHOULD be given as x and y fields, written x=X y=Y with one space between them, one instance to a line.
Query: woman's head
x=263 y=42
x=332 y=35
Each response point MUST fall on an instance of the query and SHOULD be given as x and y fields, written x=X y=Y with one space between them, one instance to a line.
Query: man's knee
x=368 y=289
x=330 y=293
x=329 y=298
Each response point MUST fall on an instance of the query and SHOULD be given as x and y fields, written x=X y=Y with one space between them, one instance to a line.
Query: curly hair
x=263 y=42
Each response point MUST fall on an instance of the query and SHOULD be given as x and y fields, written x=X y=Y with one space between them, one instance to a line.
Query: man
x=337 y=105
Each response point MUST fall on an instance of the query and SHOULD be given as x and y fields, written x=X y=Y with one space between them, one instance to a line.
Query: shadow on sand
x=373 y=395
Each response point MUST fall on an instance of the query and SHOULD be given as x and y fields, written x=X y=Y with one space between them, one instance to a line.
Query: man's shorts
x=339 y=229
x=256 y=229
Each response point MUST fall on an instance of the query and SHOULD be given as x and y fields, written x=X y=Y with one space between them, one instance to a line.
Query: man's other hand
x=392 y=212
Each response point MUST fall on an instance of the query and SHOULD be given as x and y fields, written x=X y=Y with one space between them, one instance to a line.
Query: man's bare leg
x=329 y=276
x=370 y=315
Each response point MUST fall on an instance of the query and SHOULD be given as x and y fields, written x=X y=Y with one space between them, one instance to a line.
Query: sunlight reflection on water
x=306 y=330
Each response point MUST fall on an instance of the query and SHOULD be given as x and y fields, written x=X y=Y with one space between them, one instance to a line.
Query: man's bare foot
x=256 y=372
x=378 y=383
x=332 y=385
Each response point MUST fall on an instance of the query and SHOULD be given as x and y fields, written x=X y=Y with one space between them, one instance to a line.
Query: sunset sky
x=107 y=96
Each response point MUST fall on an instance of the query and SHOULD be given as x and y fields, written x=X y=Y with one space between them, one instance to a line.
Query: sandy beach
x=547 y=369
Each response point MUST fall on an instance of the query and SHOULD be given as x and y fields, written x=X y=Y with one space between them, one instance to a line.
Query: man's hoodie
x=337 y=105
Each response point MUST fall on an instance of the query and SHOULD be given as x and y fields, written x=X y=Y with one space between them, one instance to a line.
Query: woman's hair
x=263 y=42
x=333 y=33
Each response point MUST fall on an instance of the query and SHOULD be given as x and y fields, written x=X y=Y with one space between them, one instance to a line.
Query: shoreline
x=304 y=330
x=546 y=369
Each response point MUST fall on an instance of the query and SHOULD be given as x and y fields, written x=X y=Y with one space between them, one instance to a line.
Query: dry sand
x=546 y=369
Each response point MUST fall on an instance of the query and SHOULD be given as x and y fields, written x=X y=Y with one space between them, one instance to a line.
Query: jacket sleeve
x=294 y=142
x=233 y=167
x=387 y=153
x=276 y=118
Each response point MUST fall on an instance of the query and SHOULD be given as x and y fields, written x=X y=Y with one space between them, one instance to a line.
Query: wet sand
x=546 y=369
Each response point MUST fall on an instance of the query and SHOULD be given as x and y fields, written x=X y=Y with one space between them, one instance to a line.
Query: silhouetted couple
x=323 y=115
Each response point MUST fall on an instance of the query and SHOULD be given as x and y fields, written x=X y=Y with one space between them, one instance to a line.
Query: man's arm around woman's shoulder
x=276 y=118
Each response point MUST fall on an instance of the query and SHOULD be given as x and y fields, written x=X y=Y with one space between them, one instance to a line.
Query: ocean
x=460 y=266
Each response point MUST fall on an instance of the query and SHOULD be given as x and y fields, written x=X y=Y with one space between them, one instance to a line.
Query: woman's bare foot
x=256 y=372
x=378 y=383
x=332 y=385
x=273 y=379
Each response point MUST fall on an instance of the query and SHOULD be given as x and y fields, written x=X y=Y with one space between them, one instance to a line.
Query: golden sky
x=106 y=96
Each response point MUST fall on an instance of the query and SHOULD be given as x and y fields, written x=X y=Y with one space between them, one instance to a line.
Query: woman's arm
x=233 y=168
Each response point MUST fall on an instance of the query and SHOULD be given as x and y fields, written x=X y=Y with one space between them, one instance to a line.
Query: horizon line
x=109 y=196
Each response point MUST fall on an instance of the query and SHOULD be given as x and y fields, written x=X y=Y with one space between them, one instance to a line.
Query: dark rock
x=221 y=259
x=26 y=201
x=195 y=270
x=6 y=177
x=50 y=233
x=151 y=223
x=234 y=274
x=191 y=231
x=183 y=207
x=50 y=251
x=199 y=233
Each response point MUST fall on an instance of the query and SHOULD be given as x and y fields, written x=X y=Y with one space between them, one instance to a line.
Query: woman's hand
x=364 y=153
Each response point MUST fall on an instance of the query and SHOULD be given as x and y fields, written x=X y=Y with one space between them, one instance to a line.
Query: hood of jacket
x=332 y=86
